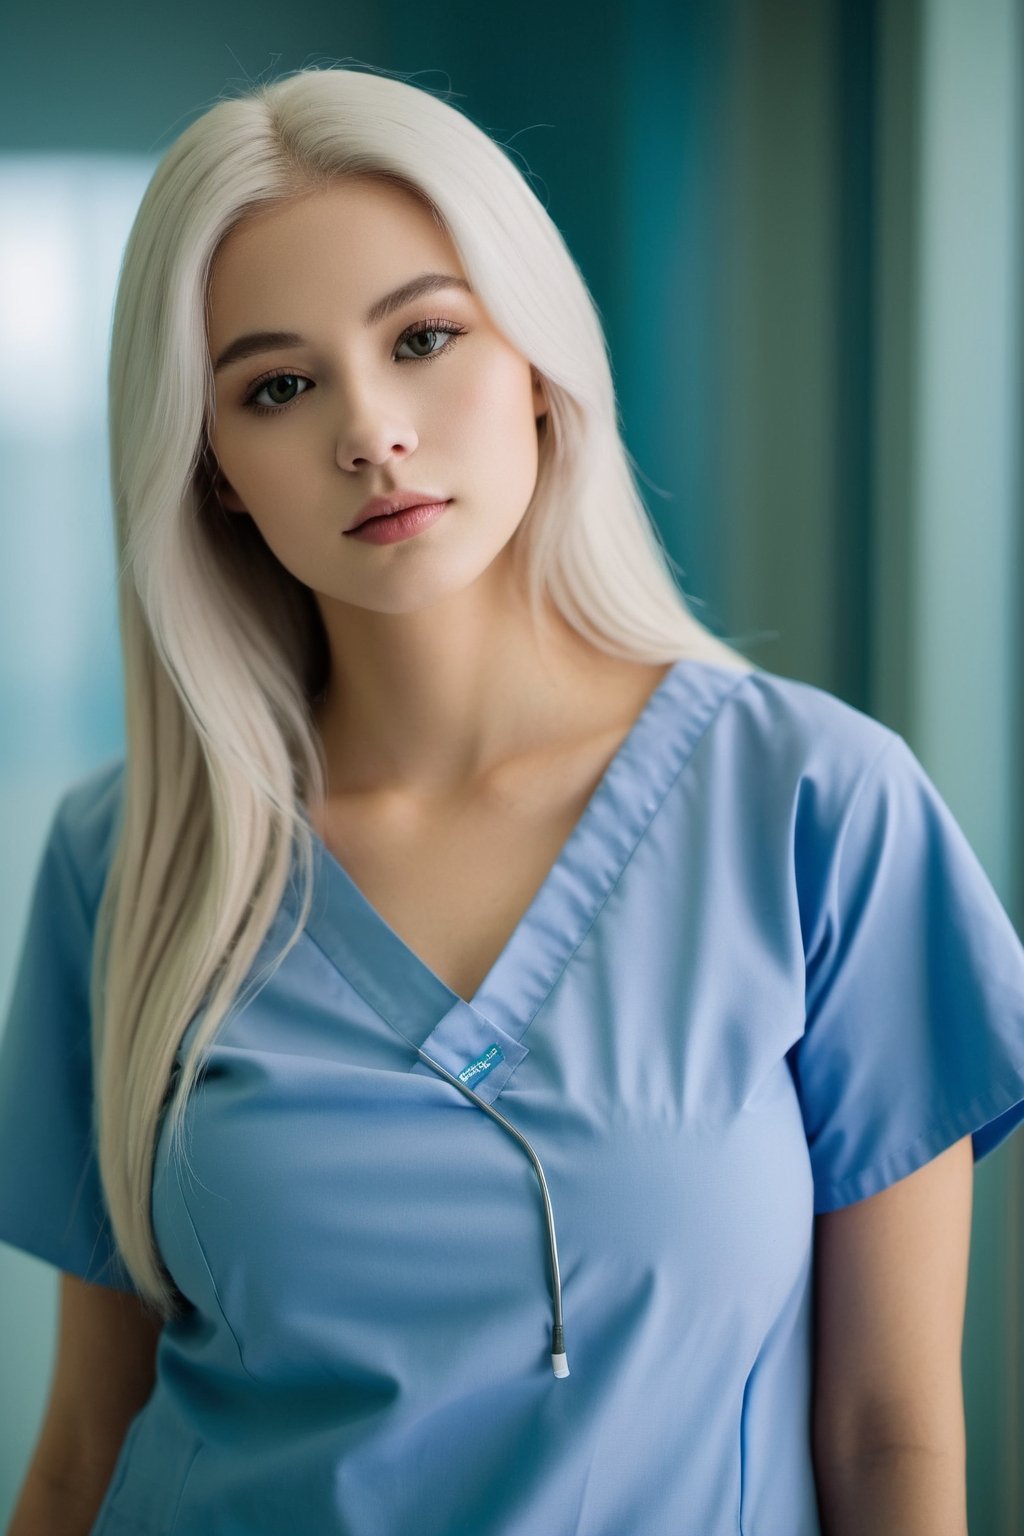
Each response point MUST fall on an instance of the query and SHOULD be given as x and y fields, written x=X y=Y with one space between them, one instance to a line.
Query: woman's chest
x=454 y=886
x=653 y=1006
x=455 y=880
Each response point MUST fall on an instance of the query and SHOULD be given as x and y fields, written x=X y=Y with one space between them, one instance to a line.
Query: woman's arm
x=48 y=1506
x=890 y=1294
x=896 y=1492
x=103 y=1374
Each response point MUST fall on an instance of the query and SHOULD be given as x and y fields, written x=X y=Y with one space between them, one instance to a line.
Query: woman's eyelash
x=437 y=327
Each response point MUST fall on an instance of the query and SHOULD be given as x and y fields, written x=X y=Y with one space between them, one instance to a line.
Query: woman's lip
x=387 y=506
x=392 y=527
x=394 y=513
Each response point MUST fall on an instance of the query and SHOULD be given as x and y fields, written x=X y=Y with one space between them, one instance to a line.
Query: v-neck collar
x=480 y=1038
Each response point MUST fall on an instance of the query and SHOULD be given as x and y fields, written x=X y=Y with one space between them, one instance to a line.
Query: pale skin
x=438 y=680
x=457 y=738
x=440 y=694
x=441 y=697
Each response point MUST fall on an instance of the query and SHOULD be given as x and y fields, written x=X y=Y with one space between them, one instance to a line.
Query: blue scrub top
x=766 y=977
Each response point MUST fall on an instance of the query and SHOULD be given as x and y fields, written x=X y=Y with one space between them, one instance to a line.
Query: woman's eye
x=272 y=388
x=279 y=388
x=431 y=328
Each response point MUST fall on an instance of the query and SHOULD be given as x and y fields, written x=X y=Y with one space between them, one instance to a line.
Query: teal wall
x=801 y=223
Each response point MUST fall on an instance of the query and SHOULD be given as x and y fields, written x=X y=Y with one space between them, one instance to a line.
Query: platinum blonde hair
x=223 y=649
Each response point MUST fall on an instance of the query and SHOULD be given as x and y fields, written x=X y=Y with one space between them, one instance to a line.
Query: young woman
x=435 y=1039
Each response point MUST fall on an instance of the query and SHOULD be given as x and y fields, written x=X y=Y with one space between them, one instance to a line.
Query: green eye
x=269 y=382
x=430 y=328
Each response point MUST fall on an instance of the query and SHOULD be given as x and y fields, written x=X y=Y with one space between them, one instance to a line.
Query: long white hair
x=224 y=651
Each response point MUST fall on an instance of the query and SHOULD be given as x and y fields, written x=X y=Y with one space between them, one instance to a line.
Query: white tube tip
x=560 y=1365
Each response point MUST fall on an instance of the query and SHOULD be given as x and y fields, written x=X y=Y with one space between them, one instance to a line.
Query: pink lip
x=401 y=501
x=396 y=526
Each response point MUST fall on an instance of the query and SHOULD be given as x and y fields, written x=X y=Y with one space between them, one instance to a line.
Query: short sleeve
x=914 y=1004
x=51 y=1200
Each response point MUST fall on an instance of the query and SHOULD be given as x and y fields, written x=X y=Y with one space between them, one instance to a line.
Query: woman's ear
x=228 y=496
x=540 y=399
x=222 y=488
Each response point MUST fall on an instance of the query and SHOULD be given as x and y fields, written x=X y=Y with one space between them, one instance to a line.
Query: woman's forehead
x=347 y=240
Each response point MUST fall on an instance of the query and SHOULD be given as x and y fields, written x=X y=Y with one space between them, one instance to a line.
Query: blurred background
x=802 y=226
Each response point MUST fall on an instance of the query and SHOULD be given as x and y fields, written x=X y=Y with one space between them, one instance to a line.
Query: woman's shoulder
x=779 y=726
x=814 y=713
x=85 y=823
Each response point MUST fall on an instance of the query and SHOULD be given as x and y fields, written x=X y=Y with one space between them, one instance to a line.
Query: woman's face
x=358 y=406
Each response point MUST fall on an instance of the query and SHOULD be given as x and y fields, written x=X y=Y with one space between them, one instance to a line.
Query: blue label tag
x=483 y=1064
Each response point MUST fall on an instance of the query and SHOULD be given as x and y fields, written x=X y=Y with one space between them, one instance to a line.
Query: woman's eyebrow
x=266 y=341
